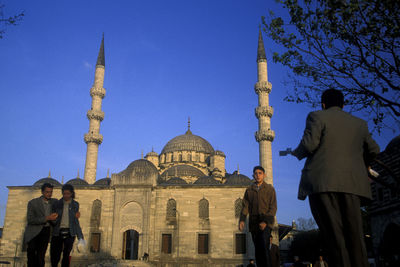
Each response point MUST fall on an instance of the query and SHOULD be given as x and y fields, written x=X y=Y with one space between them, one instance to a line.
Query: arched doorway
x=130 y=245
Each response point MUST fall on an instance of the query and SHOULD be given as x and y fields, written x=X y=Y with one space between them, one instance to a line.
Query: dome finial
x=108 y=173
x=141 y=154
x=49 y=174
x=78 y=174
x=188 y=130
x=62 y=179
x=238 y=169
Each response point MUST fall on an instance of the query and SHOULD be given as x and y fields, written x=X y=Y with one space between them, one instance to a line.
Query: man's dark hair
x=332 y=98
x=258 y=168
x=70 y=188
x=46 y=185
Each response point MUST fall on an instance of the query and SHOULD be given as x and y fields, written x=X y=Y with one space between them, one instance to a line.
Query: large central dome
x=188 y=142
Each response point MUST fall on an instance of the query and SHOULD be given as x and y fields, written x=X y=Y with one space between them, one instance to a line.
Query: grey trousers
x=338 y=217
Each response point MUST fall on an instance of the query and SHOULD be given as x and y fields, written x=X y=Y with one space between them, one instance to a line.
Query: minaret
x=264 y=135
x=93 y=138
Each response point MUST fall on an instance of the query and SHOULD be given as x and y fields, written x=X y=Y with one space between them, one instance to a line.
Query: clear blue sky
x=165 y=61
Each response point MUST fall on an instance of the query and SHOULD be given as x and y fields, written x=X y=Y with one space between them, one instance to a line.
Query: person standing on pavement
x=259 y=202
x=66 y=227
x=38 y=228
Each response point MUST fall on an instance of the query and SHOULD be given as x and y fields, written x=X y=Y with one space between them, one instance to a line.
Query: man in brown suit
x=259 y=203
x=338 y=148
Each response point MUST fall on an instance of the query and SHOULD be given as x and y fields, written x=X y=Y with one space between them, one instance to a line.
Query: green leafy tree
x=7 y=20
x=350 y=45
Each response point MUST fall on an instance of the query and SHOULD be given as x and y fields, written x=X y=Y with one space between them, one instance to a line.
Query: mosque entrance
x=130 y=245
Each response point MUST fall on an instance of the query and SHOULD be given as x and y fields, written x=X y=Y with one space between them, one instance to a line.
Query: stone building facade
x=177 y=208
x=384 y=210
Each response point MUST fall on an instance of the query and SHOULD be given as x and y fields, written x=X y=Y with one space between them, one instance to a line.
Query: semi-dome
x=140 y=171
x=49 y=180
x=182 y=171
x=238 y=179
x=188 y=142
x=174 y=181
x=395 y=142
x=206 y=180
x=77 y=182
x=103 y=182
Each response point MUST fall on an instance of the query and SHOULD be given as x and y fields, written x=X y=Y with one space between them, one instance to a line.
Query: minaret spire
x=260 y=50
x=95 y=115
x=264 y=111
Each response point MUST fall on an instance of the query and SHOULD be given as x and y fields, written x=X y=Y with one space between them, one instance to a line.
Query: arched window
x=96 y=215
x=203 y=209
x=171 y=209
x=238 y=207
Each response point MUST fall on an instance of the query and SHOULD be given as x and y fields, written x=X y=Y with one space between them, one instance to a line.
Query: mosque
x=179 y=207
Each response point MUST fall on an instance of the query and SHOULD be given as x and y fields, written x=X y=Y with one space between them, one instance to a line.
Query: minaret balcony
x=98 y=91
x=95 y=115
x=264 y=111
x=263 y=86
x=93 y=138
x=265 y=135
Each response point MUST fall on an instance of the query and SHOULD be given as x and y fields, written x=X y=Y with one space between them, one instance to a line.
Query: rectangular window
x=240 y=243
x=166 y=245
x=95 y=242
x=202 y=244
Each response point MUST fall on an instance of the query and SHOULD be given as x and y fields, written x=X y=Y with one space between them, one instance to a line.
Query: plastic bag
x=81 y=246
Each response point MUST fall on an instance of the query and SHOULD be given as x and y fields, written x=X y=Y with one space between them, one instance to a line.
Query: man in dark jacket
x=66 y=227
x=338 y=148
x=37 y=232
x=259 y=203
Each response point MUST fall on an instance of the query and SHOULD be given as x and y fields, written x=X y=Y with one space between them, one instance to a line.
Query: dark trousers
x=338 y=217
x=261 y=245
x=61 y=244
x=37 y=247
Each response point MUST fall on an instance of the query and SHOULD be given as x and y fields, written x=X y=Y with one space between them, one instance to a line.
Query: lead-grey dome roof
x=104 y=181
x=140 y=171
x=77 y=182
x=49 y=180
x=238 y=179
x=182 y=171
x=188 y=142
x=175 y=180
x=206 y=180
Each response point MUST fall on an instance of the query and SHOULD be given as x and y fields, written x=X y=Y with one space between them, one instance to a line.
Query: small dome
x=188 y=142
x=393 y=144
x=140 y=171
x=103 y=182
x=182 y=171
x=77 y=182
x=206 y=180
x=238 y=179
x=49 y=180
x=175 y=180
